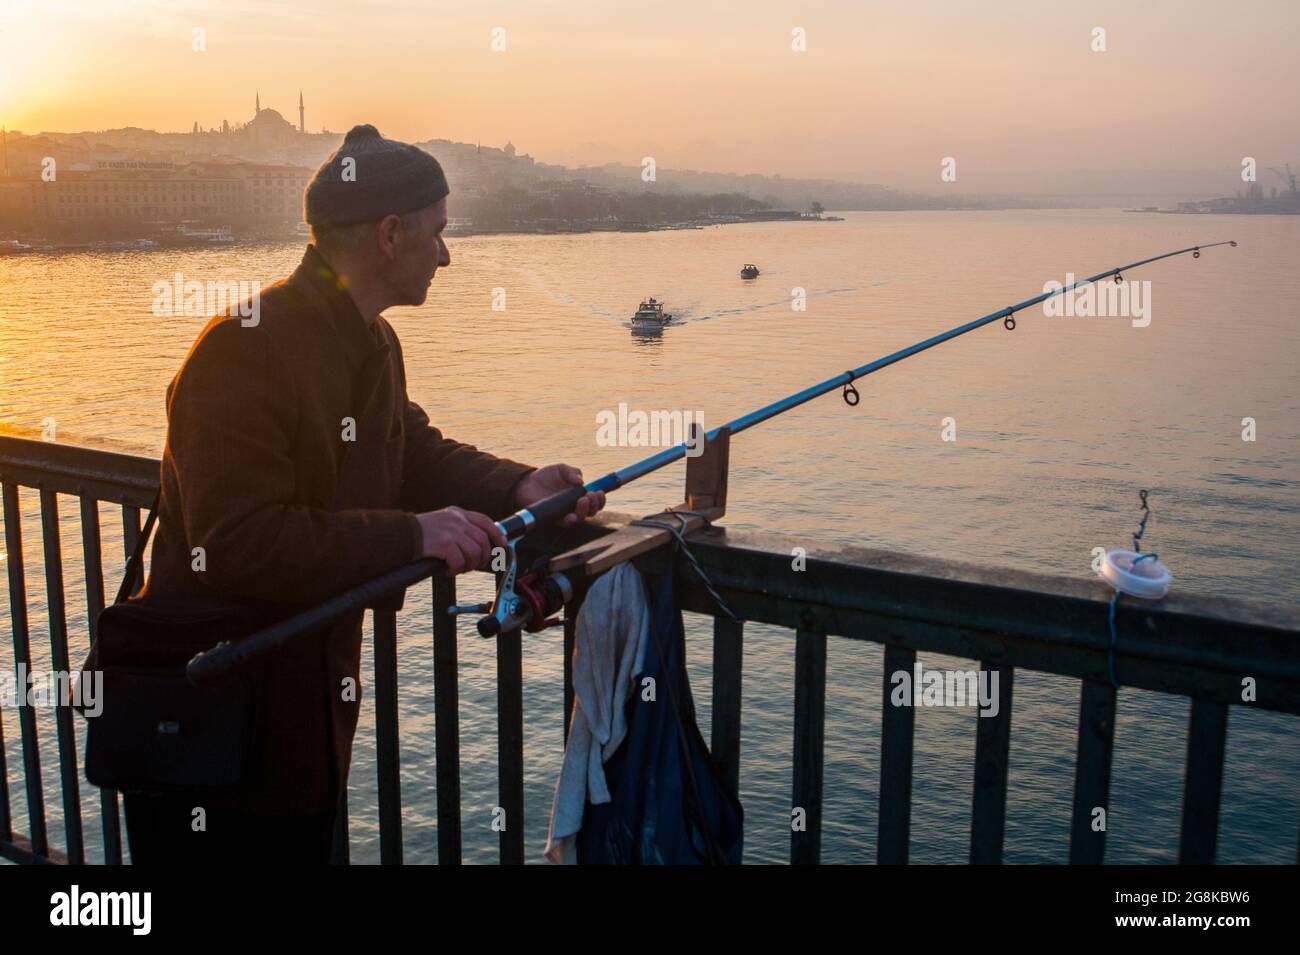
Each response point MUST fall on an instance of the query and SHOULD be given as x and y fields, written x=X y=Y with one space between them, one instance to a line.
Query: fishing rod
x=529 y=600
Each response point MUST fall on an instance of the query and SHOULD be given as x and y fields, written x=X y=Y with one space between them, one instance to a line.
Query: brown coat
x=258 y=471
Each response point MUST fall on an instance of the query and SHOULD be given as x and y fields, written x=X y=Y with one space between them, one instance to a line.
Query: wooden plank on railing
x=728 y=662
x=1092 y=764
x=446 y=720
x=387 y=751
x=93 y=561
x=1207 y=732
x=57 y=615
x=809 y=746
x=23 y=661
x=992 y=747
x=510 y=746
x=897 y=725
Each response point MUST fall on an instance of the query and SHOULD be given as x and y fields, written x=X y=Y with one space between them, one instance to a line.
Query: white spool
x=1148 y=579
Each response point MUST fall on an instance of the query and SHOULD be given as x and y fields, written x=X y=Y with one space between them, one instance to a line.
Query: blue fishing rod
x=528 y=601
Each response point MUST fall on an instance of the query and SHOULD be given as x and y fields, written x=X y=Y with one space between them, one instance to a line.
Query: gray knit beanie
x=369 y=177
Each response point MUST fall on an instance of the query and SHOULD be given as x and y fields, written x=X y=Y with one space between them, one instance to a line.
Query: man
x=297 y=467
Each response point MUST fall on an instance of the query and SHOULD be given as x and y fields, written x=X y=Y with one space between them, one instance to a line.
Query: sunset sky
x=882 y=93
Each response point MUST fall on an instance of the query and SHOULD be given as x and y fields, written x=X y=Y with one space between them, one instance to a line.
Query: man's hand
x=462 y=539
x=552 y=480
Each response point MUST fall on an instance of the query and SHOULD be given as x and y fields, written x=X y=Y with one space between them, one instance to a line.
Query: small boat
x=218 y=236
x=749 y=272
x=650 y=316
x=13 y=247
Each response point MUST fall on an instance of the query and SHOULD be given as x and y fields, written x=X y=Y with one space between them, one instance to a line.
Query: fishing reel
x=526 y=601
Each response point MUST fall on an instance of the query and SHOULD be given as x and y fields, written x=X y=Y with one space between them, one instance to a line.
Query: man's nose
x=444 y=254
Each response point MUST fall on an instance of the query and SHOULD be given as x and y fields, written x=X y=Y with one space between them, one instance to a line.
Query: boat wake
x=764 y=306
x=684 y=314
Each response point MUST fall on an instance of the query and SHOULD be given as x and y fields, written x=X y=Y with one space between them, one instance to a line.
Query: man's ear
x=386 y=235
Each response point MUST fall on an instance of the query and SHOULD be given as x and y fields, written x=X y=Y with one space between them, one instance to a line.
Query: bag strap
x=135 y=562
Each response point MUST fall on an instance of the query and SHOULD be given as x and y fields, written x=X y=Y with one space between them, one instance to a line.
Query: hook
x=1009 y=321
x=851 y=396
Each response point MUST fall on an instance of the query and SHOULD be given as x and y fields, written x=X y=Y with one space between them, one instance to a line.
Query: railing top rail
x=1187 y=644
x=1230 y=612
x=857 y=591
x=70 y=469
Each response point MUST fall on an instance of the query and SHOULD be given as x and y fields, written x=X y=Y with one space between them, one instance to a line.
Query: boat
x=218 y=236
x=13 y=247
x=650 y=316
x=749 y=271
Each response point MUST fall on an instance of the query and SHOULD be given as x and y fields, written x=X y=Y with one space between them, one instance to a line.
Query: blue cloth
x=669 y=805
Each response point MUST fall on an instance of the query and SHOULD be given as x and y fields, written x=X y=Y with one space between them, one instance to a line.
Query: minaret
x=302 y=117
x=258 y=108
x=4 y=137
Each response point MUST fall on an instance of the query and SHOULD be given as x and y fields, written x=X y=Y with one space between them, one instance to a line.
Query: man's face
x=419 y=252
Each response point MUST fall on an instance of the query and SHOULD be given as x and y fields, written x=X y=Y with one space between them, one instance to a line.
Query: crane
x=1289 y=177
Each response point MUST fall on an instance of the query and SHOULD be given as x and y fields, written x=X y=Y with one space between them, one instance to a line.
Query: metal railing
x=1197 y=647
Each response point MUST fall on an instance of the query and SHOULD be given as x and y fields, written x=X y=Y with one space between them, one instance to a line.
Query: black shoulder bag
x=150 y=729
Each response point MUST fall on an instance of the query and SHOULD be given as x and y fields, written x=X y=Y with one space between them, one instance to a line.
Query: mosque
x=269 y=128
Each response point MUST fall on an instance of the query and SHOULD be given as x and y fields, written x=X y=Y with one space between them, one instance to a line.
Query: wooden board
x=600 y=555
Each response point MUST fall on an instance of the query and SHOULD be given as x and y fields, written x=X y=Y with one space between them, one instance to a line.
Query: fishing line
x=1124 y=571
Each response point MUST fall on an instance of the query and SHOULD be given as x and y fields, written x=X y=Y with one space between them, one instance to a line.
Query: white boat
x=219 y=236
x=650 y=316
x=13 y=247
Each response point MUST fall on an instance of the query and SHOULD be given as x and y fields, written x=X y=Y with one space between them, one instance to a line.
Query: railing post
x=131 y=534
x=571 y=611
x=57 y=615
x=446 y=721
x=809 y=740
x=387 y=752
x=6 y=818
x=1092 y=771
x=23 y=661
x=1207 y=731
x=340 y=850
x=510 y=744
x=897 y=723
x=728 y=661
x=93 y=561
x=992 y=745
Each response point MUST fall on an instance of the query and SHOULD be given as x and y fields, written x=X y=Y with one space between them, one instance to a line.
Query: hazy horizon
x=878 y=96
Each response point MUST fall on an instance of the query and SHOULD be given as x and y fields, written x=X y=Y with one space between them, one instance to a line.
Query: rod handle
x=551 y=509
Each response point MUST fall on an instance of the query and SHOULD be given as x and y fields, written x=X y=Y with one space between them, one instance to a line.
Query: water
x=1058 y=425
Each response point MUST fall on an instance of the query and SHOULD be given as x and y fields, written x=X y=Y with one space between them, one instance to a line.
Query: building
x=158 y=195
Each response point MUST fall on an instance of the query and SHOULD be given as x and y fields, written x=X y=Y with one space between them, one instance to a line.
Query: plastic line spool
x=1135 y=574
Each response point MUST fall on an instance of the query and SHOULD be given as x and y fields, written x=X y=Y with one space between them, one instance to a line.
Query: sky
x=882 y=92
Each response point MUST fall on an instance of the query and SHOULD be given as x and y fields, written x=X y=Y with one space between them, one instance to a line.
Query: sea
x=1022 y=450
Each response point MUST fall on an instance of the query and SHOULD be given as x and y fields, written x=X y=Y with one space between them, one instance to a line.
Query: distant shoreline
x=160 y=241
